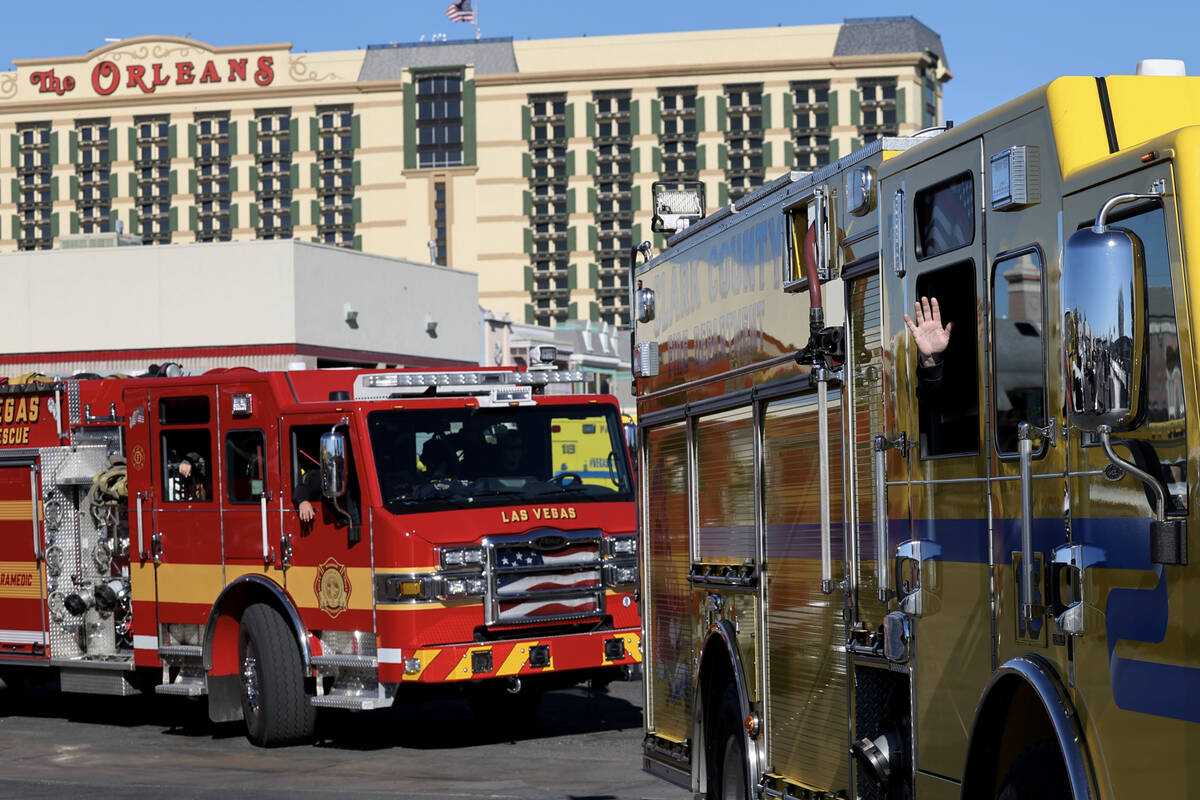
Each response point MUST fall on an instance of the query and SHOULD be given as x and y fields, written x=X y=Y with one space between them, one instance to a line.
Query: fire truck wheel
x=1037 y=773
x=275 y=706
x=727 y=753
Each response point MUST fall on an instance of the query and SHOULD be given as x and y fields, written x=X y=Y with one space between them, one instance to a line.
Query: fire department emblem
x=332 y=587
x=138 y=457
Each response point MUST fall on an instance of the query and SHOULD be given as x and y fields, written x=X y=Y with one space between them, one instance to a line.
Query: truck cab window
x=187 y=465
x=245 y=464
x=1019 y=346
x=306 y=455
x=949 y=411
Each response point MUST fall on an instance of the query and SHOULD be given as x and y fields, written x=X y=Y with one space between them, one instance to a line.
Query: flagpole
x=476 y=18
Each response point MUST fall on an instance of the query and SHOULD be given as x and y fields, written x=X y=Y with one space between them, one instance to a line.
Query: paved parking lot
x=583 y=745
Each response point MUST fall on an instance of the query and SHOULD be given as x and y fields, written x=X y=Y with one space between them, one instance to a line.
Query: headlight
x=462 y=587
x=620 y=574
x=622 y=546
x=462 y=556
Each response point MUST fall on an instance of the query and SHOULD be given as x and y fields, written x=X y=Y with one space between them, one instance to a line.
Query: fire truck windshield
x=459 y=457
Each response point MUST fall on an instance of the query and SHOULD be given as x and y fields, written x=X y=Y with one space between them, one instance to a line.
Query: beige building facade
x=527 y=162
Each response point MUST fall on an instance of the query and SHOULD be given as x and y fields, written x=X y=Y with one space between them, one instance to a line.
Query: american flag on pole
x=461 y=11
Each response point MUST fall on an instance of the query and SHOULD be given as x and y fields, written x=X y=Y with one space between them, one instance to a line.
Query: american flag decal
x=551 y=576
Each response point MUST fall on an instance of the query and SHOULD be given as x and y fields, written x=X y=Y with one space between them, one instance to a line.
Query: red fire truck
x=152 y=538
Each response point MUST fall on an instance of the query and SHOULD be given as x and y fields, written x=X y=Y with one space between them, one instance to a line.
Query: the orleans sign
x=108 y=76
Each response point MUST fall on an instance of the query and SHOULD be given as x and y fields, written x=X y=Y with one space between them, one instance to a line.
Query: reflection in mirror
x=333 y=464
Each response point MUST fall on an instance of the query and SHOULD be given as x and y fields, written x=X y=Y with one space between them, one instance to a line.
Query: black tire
x=274 y=704
x=1037 y=774
x=726 y=751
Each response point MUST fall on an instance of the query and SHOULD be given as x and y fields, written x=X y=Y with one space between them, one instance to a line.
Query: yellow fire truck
x=861 y=582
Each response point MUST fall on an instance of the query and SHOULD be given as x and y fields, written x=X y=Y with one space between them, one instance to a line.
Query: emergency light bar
x=492 y=384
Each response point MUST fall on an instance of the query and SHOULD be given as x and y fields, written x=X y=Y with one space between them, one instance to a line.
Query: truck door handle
x=156 y=547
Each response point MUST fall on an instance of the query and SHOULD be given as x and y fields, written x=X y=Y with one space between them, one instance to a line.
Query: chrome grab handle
x=1025 y=448
x=266 y=551
x=35 y=498
x=915 y=601
x=827 y=584
x=1071 y=618
x=882 y=575
x=141 y=546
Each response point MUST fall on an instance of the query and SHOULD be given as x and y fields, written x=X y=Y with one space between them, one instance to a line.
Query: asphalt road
x=583 y=745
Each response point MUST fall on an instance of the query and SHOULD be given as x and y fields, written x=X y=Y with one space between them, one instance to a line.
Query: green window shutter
x=722 y=113
x=635 y=233
x=572 y=279
x=789 y=111
x=131 y=140
x=233 y=138
x=722 y=195
x=766 y=156
x=900 y=106
x=253 y=178
x=356 y=173
x=855 y=143
x=635 y=160
x=358 y=242
x=722 y=158
x=833 y=108
x=112 y=185
x=54 y=148
x=74 y=222
x=527 y=203
x=133 y=222
x=112 y=144
x=193 y=182
x=173 y=218
x=16 y=227
x=74 y=191
x=73 y=150
x=833 y=150
x=701 y=157
x=314 y=134
x=634 y=118
x=252 y=136
x=172 y=141
x=132 y=185
x=571 y=239
x=526 y=165
x=529 y=279
x=592 y=203
x=570 y=115
x=233 y=181
x=570 y=201
x=314 y=175
x=14 y=152
x=355 y=132
x=530 y=319
x=593 y=275
x=573 y=311
x=528 y=240
x=470 y=156
x=594 y=312
x=16 y=191
x=254 y=215
x=571 y=162
x=701 y=122
x=591 y=161
x=295 y=214
x=410 y=126
x=655 y=117
x=589 y=120
x=193 y=218
x=357 y=207
x=191 y=141
x=54 y=189
x=635 y=199
x=54 y=225
x=789 y=154
x=656 y=160
x=526 y=125
x=593 y=238
x=294 y=176
x=766 y=112
x=173 y=182
x=314 y=208
x=233 y=216
x=855 y=107
x=294 y=134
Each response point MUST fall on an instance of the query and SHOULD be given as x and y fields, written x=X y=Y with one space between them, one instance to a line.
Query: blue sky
x=996 y=51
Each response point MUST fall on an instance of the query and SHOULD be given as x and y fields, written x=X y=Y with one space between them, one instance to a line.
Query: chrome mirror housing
x=333 y=464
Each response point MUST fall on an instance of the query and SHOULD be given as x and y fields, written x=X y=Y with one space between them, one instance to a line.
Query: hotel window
x=35 y=225
x=744 y=138
x=273 y=158
x=877 y=101
x=92 y=151
x=812 y=124
x=213 y=190
x=439 y=248
x=679 y=136
x=152 y=175
x=549 y=233
x=439 y=120
x=613 y=218
x=929 y=115
x=334 y=212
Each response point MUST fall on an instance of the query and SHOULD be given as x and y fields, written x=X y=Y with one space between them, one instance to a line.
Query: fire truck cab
x=873 y=574
x=278 y=542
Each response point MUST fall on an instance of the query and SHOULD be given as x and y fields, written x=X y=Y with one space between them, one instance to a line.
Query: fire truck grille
x=550 y=576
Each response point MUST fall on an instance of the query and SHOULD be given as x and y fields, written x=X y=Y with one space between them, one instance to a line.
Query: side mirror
x=1104 y=324
x=333 y=464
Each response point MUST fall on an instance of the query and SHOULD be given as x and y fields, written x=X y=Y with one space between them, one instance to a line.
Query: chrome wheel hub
x=250 y=682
